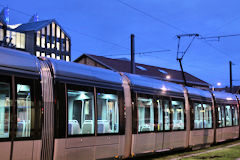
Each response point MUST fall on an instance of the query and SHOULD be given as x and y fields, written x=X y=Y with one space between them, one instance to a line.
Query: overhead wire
x=151 y=16
x=139 y=53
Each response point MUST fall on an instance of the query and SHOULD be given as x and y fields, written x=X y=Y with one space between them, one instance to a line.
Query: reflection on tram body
x=4 y=109
x=108 y=115
x=23 y=110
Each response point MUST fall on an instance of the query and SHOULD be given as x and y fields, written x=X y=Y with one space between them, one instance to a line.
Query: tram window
x=235 y=115
x=228 y=114
x=145 y=115
x=178 y=115
x=4 y=109
x=167 y=115
x=24 y=106
x=80 y=112
x=207 y=115
x=198 y=116
x=221 y=116
x=108 y=115
x=160 y=115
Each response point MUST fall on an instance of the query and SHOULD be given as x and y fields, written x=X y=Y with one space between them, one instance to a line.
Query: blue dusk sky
x=103 y=27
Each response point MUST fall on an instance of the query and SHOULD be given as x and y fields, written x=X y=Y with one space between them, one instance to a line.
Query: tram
x=56 y=110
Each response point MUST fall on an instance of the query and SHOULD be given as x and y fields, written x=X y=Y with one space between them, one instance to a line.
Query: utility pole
x=133 y=67
x=184 y=79
x=184 y=52
x=230 y=68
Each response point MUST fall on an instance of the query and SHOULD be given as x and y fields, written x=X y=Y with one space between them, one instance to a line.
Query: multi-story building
x=40 y=38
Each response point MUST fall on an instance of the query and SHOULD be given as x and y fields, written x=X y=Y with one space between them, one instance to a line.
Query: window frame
x=192 y=114
x=217 y=114
x=121 y=127
x=79 y=88
x=135 y=96
x=231 y=111
x=236 y=109
x=157 y=98
x=9 y=79
x=184 y=113
x=36 y=101
x=170 y=108
x=147 y=96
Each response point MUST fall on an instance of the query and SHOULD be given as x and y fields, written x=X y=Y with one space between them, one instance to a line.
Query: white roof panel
x=86 y=72
x=148 y=82
x=14 y=59
x=199 y=92
x=224 y=95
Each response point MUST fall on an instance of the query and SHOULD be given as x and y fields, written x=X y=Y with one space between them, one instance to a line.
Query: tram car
x=52 y=109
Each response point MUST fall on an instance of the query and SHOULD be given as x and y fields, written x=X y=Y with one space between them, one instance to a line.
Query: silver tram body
x=52 y=109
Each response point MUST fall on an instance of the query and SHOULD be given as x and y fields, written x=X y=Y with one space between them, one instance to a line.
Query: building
x=124 y=65
x=40 y=38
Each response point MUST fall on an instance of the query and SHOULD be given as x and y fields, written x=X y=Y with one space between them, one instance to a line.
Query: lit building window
x=63 y=36
x=38 y=53
x=1 y=34
x=53 y=35
x=43 y=54
x=8 y=36
x=53 y=29
x=43 y=41
x=22 y=37
x=58 y=46
x=38 y=38
x=67 y=44
x=58 y=32
x=48 y=30
x=18 y=40
x=58 y=57
x=43 y=38
x=13 y=37
x=48 y=36
x=67 y=58
x=53 y=55
x=43 y=30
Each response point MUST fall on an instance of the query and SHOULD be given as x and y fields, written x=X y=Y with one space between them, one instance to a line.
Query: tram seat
x=73 y=127
x=87 y=127
x=103 y=126
x=198 y=124
x=145 y=129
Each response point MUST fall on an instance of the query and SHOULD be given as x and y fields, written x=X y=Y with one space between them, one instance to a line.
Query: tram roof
x=82 y=72
x=15 y=60
x=140 y=81
x=199 y=92
x=227 y=97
